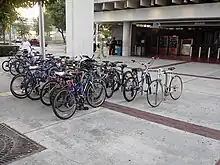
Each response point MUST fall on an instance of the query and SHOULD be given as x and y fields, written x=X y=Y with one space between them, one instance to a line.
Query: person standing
x=112 y=46
x=101 y=48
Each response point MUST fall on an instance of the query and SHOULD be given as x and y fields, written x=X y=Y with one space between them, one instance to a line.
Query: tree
x=7 y=16
x=106 y=30
x=56 y=12
x=22 y=26
x=47 y=24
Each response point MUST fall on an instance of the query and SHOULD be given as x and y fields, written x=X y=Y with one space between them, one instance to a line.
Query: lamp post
x=41 y=29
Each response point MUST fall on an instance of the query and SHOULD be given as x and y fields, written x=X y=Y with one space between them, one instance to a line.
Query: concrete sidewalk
x=104 y=137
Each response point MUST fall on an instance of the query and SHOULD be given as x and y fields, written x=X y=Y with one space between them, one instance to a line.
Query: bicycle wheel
x=19 y=82
x=46 y=90
x=96 y=94
x=130 y=89
x=109 y=85
x=117 y=81
x=32 y=89
x=126 y=75
x=155 y=93
x=13 y=67
x=64 y=99
x=5 y=66
x=176 y=87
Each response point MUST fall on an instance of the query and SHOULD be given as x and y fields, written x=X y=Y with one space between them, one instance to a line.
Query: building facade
x=163 y=27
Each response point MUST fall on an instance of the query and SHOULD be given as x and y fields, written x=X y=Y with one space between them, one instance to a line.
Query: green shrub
x=6 y=50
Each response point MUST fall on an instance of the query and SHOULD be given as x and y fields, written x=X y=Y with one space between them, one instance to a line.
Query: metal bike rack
x=200 y=50
x=209 y=52
x=218 y=55
x=190 y=53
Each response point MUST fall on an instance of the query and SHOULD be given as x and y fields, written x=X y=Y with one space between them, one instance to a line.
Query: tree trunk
x=62 y=33
x=3 y=31
x=10 y=35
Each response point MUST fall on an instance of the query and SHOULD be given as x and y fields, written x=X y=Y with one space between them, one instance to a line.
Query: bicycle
x=168 y=88
x=75 y=94
x=134 y=84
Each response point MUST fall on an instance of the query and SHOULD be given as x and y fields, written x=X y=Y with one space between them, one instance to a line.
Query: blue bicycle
x=79 y=89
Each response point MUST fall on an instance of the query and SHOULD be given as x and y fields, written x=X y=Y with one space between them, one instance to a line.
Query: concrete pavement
x=101 y=136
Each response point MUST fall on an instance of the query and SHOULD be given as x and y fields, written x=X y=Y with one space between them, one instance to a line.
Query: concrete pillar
x=97 y=7
x=108 y=6
x=131 y=4
x=118 y=5
x=126 y=39
x=145 y=3
x=79 y=27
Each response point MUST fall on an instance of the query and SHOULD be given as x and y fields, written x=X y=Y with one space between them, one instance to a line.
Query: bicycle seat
x=26 y=66
x=123 y=65
x=18 y=55
x=33 y=67
x=136 y=69
x=85 y=56
x=62 y=57
x=117 y=62
x=171 y=68
x=60 y=73
x=105 y=62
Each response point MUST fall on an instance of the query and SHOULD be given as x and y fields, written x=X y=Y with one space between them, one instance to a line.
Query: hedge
x=6 y=50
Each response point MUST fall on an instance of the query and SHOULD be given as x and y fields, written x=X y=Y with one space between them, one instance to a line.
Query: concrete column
x=79 y=27
x=118 y=5
x=145 y=3
x=126 y=39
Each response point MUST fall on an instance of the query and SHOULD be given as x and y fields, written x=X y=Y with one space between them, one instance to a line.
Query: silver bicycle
x=159 y=90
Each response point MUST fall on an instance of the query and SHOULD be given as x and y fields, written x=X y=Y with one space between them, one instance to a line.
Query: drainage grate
x=14 y=146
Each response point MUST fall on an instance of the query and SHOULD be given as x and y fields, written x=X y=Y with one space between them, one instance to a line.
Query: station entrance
x=197 y=42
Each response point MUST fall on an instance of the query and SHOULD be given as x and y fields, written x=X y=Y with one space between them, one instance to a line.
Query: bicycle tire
x=103 y=98
x=5 y=66
x=133 y=90
x=19 y=96
x=42 y=94
x=33 y=85
x=117 y=78
x=55 y=110
x=149 y=92
x=170 y=88
x=109 y=84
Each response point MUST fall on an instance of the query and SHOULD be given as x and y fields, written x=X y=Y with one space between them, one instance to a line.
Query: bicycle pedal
x=86 y=108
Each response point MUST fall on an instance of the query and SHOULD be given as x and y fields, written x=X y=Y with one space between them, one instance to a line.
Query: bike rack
x=218 y=55
x=190 y=53
x=200 y=50
x=209 y=52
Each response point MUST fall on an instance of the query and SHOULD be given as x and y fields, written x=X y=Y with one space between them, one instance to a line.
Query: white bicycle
x=157 y=91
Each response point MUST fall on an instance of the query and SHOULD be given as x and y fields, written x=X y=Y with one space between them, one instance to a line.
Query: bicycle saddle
x=33 y=67
x=117 y=62
x=62 y=57
x=123 y=65
x=105 y=62
x=136 y=69
x=60 y=73
x=171 y=68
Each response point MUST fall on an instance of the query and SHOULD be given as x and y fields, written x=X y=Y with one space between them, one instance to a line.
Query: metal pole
x=200 y=49
x=190 y=53
x=209 y=51
x=218 y=54
x=96 y=34
x=41 y=29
